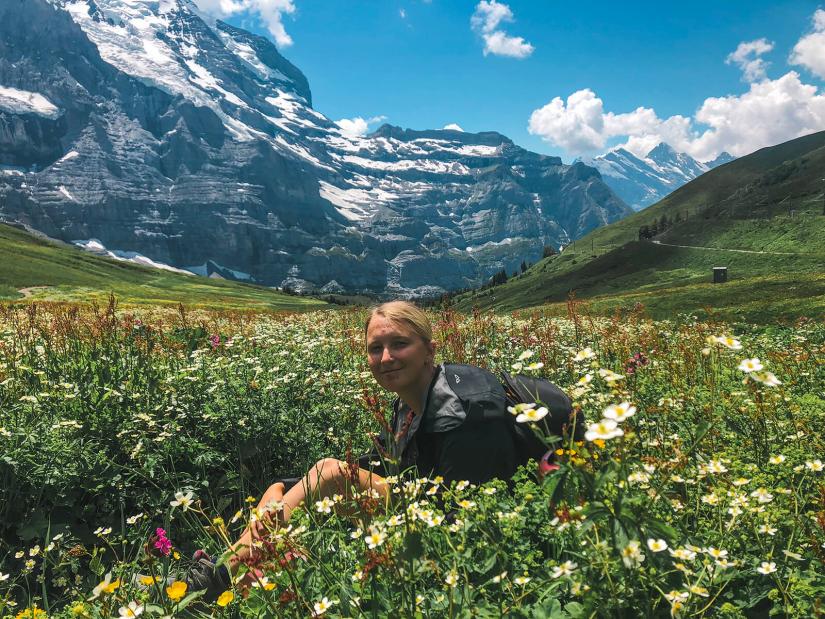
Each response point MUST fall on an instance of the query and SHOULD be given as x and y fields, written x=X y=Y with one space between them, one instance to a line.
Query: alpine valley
x=143 y=129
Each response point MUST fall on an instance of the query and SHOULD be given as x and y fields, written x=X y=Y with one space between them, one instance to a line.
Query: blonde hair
x=404 y=312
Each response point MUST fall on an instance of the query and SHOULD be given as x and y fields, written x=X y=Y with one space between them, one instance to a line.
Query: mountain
x=641 y=182
x=142 y=127
x=762 y=216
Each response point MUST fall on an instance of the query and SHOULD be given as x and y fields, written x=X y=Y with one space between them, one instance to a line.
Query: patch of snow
x=490 y=244
x=350 y=202
x=207 y=81
x=70 y=155
x=19 y=101
x=66 y=193
x=426 y=165
x=96 y=247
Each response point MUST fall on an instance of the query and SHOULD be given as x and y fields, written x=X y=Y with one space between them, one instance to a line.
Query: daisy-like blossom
x=182 y=500
x=716 y=553
x=677 y=596
x=584 y=380
x=451 y=579
x=767 y=529
x=323 y=605
x=766 y=567
x=225 y=598
x=584 y=354
x=176 y=590
x=525 y=355
x=604 y=430
x=521 y=580
x=684 y=554
x=741 y=481
x=700 y=591
x=497 y=579
x=565 y=569
x=519 y=408
x=325 y=505
x=610 y=376
x=531 y=414
x=715 y=466
x=777 y=459
x=535 y=366
x=816 y=466
x=619 y=412
x=656 y=545
x=632 y=555
x=105 y=586
x=375 y=538
x=762 y=495
x=728 y=342
x=3 y=576
x=263 y=583
x=132 y=610
x=768 y=379
x=750 y=365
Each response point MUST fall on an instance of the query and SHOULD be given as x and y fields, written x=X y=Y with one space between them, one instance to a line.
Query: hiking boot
x=204 y=575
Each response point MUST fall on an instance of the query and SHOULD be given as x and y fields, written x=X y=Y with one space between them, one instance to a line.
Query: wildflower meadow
x=131 y=439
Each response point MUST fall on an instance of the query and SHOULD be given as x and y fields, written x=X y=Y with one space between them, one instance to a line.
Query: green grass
x=63 y=273
x=771 y=201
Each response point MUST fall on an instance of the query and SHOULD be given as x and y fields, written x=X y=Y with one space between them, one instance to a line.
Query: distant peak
x=488 y=138
x=662 y=149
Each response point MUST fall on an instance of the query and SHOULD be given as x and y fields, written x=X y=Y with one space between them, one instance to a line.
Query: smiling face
x=400 y=359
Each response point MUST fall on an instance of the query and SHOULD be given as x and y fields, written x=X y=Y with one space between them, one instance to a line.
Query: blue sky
x=422 y=64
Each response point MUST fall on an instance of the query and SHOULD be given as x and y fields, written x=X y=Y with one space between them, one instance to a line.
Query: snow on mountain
x=186 y=141
x=18 y=101
x=642 y=182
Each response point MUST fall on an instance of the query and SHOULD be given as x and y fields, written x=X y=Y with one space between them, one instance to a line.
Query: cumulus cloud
x=486 y=19
x=747 y=57
x=357 y=127
x=772 y=111
x=271 y=13
x=453 y=127
x=809 y=52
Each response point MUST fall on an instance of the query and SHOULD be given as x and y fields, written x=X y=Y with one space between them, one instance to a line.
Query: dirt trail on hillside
x=28 y=292
x=740 y=251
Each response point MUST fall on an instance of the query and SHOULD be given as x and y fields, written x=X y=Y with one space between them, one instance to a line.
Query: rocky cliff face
x=142 y=125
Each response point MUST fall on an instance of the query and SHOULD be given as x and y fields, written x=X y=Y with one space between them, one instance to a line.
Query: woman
x=446 y=422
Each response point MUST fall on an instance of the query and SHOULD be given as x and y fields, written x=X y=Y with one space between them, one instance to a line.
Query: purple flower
x=162 y=543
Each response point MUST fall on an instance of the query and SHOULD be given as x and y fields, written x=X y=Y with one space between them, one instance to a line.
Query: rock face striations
x=144 y=126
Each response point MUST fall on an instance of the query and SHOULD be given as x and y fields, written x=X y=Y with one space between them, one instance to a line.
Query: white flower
x=762 y=495
x=728 y=342
x=323 y=605
x=182 y=500
x=716 y=553
x=3 y=576
x=525 y=355
x=604 y=430
x=584 y=354
x=375 y=538
x=584 y=380
x=619 y=412
x=632 y=556
x=521 y=580
x=325 y=505
x=741 y=481
x=766 y=568
x=134 y=519
x=677 y=596
x=656 y=545
x=750 y=365
x=609 y=375
x=683 y=554
x=521 y=407
x=715 y=466
x=565 y=569
x=535 y=366
x=451 y=579
x=132 y=610
x=815 y=466
x=778 y=459
x=768 y=379
x=767 y=529
x=532 y=414
x=500 y=577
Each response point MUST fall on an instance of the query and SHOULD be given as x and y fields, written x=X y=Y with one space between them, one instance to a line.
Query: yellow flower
x=176 y=590
x=79 y=610
x=225 y=598
x=148 y=581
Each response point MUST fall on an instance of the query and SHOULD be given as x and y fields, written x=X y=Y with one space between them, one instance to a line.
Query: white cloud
x=747 y=57
x=357 y=127
x=271 y=12
x=486 y=19
x=809 y=51
x=402 y=13
x=770 y=112
x=453 y=127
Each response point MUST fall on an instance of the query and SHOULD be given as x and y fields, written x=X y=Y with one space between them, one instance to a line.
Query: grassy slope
x=71 y=274
x=745 y=204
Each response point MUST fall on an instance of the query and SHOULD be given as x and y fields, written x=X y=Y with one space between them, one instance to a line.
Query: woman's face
x=400 y=360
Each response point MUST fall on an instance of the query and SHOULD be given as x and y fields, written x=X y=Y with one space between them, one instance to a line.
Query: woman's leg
x=327 y=478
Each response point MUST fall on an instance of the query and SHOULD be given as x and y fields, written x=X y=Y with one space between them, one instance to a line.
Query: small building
x=720 y=275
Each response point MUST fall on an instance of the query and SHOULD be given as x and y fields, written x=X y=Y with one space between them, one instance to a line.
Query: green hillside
x=762 y=216
x=46 y=270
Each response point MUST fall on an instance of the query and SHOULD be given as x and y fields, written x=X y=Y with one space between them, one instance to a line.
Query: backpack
x=520 y=389
x=487 y=396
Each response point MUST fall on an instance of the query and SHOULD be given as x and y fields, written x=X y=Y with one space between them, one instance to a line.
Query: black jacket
x=465 y=432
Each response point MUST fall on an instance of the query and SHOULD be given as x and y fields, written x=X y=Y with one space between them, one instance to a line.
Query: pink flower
x=215 y=340
x=162 y=543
